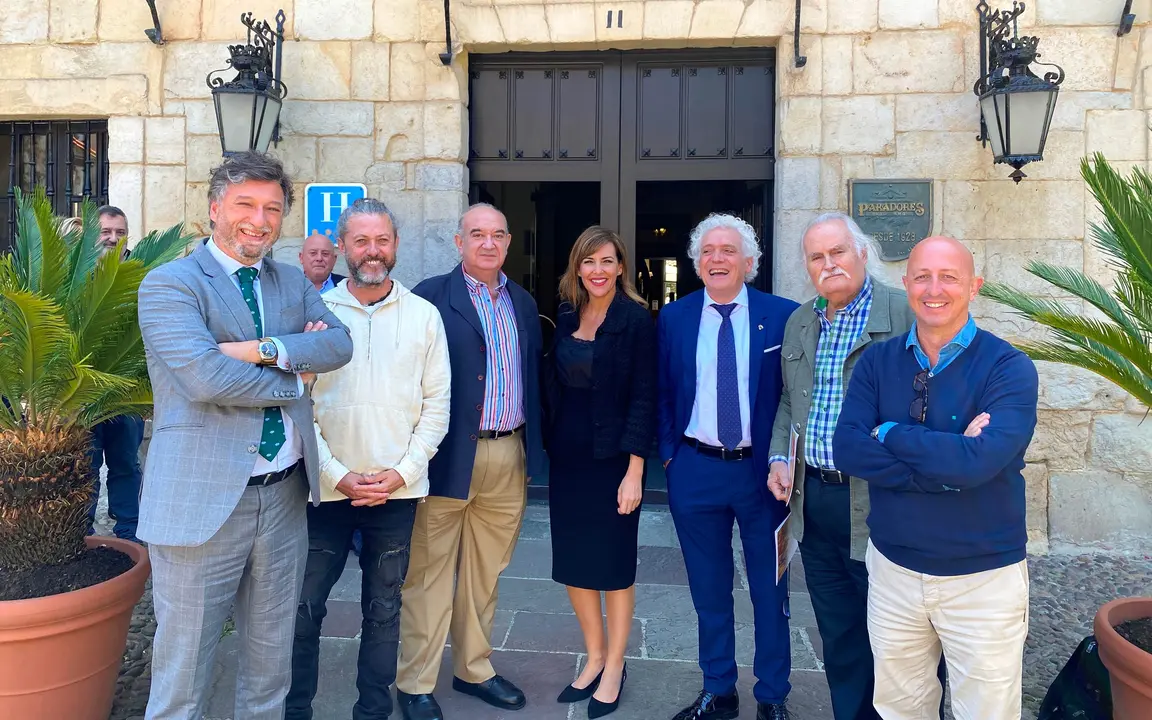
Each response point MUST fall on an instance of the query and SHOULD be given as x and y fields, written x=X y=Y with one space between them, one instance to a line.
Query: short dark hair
x=249 y=165
x=110 y=210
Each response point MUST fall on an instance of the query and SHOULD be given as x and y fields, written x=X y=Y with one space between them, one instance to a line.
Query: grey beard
x=364 y=281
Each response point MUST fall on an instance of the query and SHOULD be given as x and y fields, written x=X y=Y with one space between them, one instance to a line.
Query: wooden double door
x=639 y=125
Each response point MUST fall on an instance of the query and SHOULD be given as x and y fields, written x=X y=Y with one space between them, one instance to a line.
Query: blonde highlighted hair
x=572 y=290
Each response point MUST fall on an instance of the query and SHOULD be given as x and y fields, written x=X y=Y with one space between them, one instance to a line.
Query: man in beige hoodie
x=378 y=421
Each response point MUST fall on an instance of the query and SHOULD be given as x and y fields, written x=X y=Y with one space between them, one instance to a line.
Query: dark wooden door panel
x=658 y=111
x=753 y=109
x=491 y=129
x=708 y=108
x=579 y=112
x=533 y=90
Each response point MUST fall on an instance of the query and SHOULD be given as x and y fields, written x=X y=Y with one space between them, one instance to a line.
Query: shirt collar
x=963 y=338
x=820 y=304
x=740 y=301
x=475 y=285
x=230 y=264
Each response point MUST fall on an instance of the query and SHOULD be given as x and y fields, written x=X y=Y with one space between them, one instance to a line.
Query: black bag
x=1082 y=690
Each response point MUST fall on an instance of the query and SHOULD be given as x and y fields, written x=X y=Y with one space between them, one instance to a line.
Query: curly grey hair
x=365 y=206
x=864 y=243
x=750 y=244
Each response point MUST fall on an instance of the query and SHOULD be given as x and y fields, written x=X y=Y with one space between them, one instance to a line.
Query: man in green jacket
x=822 y=341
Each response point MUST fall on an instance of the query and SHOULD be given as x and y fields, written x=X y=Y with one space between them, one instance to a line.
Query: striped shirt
x=503 y=381
x=836 y=341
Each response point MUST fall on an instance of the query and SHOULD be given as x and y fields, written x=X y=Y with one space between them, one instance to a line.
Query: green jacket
x=889 y=317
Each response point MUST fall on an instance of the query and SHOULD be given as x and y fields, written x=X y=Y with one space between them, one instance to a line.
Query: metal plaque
x=897 y=213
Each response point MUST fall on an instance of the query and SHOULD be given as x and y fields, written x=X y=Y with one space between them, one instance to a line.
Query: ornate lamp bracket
x=446 y=56
x=1127 y=20
x=257 y=62
x=797 y=59
x=154 y=33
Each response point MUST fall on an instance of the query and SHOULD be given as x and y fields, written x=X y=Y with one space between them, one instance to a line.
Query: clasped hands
x=370 y=489
x=249 y=350
x=779 y=481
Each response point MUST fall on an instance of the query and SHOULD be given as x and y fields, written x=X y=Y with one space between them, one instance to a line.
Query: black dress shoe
x=573 y=694
x=597 y=709
x=496 y=691
x=418 y=707
x=772 y=711
x=710 y=706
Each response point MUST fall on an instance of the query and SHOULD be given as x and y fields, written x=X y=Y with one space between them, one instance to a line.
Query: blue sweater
x=942 y=503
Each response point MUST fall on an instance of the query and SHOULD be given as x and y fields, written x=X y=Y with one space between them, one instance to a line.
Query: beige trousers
x=468 y=542
x=978 y=620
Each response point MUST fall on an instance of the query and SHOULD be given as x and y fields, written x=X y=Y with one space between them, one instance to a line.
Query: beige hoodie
x=388 y=407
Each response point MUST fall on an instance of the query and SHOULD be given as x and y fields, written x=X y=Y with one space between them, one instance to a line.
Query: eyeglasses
x=919 y=407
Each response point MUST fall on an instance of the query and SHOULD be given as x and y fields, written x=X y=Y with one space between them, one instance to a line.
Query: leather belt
x=828 y=477
x=718 y=452
x=273 y=477
x=497 y=434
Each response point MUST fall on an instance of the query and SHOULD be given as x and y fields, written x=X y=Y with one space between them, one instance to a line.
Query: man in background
x=116 y=442
x=317 y=258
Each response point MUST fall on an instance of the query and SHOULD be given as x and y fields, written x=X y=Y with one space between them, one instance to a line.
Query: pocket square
x=774 y=347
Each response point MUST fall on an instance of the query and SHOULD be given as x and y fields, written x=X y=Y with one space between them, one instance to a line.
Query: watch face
x=267 y=350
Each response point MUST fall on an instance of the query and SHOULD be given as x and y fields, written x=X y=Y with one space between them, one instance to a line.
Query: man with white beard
x=379 y=420
x=822 y=341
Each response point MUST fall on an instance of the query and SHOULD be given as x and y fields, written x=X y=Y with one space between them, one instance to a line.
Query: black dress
x=593 y=546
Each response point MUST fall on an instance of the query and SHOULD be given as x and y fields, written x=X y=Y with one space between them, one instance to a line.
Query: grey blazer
x=209 y=408
x=889 y=317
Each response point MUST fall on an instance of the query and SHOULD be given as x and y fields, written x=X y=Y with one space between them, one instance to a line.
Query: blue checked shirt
x=836 y=341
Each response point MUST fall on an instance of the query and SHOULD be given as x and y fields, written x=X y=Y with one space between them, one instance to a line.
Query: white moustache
x=835 y=272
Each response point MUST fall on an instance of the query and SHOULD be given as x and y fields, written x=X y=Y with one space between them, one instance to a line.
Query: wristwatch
x=267 y=351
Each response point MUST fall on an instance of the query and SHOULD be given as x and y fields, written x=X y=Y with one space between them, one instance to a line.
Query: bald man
x=317 y=258
x=937 y=422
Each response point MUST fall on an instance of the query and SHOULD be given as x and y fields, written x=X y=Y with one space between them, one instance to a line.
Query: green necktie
x=272 y=438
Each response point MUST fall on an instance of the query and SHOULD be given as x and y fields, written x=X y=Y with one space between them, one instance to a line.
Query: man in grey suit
x=229 y=334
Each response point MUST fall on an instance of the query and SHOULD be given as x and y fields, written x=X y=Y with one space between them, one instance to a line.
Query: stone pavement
x=538 y=643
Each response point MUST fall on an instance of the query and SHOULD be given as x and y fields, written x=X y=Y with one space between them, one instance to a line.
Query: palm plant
x=1118 y=345
x=71 y=356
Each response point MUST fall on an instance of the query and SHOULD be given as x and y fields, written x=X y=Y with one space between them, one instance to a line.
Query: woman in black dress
x=601 y=385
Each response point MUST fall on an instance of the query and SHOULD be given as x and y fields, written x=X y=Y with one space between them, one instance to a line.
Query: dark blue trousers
x=839 y=589
x=706 y=495
x=117 y=443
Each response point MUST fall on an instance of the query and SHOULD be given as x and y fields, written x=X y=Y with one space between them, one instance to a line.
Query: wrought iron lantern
x=1016 y=105
x=248 y=105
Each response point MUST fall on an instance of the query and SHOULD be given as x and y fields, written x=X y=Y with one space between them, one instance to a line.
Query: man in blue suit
x=720 y=384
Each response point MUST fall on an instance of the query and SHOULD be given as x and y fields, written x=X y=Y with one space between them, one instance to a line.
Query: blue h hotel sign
x=323 y=203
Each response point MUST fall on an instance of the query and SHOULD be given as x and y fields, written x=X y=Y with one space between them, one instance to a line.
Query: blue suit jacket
x=679 y=330
x=450 y=471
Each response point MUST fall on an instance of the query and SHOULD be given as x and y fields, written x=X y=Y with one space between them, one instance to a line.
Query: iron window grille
x=69 y=158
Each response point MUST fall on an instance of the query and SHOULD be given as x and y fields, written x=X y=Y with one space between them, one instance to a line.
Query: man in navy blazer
x=720 y=383
x=467 y=528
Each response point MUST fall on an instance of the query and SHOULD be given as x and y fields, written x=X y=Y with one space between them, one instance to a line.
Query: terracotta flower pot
x=60 y=655
x=1129 y=667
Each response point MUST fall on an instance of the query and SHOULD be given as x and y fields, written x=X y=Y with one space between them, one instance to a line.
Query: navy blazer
x=450 y=471
x=679 y=330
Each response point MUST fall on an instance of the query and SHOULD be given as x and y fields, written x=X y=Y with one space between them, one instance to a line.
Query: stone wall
x=886 y=92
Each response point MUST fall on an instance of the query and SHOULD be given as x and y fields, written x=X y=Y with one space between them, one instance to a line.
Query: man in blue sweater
x=937 y=421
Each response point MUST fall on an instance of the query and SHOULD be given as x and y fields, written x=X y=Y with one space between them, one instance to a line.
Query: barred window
x=68 y=157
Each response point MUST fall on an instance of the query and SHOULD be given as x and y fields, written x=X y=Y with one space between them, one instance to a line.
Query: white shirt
x=702 y=424
x=293 y=447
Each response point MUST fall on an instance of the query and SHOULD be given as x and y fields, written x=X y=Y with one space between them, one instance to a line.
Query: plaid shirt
x=836 y=341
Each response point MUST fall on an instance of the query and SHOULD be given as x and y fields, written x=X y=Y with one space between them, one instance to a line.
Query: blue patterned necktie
x=272 y=438
x=728 y=426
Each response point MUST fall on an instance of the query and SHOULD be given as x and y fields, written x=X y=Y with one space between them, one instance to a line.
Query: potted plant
x=71 y=356
x=1115 y=343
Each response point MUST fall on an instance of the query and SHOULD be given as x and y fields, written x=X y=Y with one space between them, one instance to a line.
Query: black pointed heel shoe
x=597 y=709
x=571 y=694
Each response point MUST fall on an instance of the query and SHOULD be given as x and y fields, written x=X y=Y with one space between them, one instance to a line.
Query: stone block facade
x=886 y=92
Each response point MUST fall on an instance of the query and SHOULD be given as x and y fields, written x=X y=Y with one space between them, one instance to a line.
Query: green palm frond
x=71 y=354
x=83 y=252
x=1118 y=346
x=157 y=248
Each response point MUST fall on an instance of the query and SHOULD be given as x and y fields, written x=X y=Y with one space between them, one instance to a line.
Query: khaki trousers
x=469 y=541
x=978 y=620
